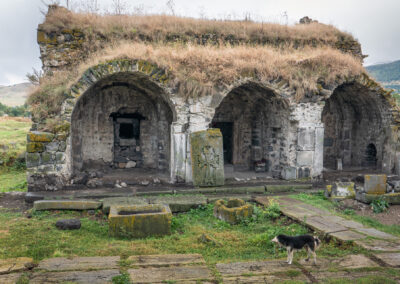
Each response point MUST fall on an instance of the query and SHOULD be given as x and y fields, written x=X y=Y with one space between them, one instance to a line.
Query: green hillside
x=388 y=75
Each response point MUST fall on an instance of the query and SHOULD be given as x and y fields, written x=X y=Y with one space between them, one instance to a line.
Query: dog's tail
x=317 y=242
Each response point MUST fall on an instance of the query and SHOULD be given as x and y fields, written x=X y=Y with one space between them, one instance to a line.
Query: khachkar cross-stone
x=207 y=158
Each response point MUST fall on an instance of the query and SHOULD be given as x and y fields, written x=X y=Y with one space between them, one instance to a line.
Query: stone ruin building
x=123 y=117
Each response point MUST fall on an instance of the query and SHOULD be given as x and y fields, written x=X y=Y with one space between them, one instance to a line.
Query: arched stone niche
x=133 y=100
x=357 y=122
x=254 y=121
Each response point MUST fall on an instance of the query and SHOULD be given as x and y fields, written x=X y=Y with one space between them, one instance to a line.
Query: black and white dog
x=297 y=243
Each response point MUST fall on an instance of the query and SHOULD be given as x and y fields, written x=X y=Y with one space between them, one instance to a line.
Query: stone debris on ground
x=68 y=224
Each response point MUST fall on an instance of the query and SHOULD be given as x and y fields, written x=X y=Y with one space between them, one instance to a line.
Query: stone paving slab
x=392 y=259
x=322 y=223
x=166 y=260
x=84 y=277
x=79 y=263
x=347 y=235
x=352 y=224
x=378 y=245
x=253 y=268
x=112 y=201
x=10 y=278
x=347 y=275
x=66 y=205
x=265 y=279
x=160 y=274
x=371 y=232
x=14 y=264
x=353 y=261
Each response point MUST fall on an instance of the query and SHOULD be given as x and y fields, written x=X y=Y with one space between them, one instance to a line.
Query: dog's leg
x=288 y=254
x=308 y=253
x=291 y=255
x=315 y=258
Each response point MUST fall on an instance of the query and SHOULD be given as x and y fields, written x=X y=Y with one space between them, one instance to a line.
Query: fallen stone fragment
x=69 y=224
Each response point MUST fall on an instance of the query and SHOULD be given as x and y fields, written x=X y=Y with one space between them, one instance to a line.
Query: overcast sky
x=375 y=23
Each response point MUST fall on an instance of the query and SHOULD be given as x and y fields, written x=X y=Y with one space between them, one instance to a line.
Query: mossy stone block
x=37 y=136
x=140 y=221
x=375 y=184
x=34 y=147
x=232 y=211
x=207 y=158
x=47 y=158
x=32 y=160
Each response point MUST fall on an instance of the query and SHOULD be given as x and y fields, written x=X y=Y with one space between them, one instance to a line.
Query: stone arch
x=357 y=114
x=120 y=93
x=254 y=119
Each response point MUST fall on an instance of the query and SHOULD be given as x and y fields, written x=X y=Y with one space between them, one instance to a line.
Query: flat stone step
x=180 y=203
x=166 y=260
x=14 y=264
x=165 y=274
x=286 y=187
x=341 y=276
x=66 y=205
x=391 y=259
x=254 y=268
x=84 y=277
x=79 y=263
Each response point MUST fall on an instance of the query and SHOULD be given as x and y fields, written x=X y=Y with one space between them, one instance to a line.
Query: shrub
x=379 y=205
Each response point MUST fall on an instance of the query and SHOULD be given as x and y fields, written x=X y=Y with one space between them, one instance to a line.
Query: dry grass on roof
x=159 y=27
x=197 y=69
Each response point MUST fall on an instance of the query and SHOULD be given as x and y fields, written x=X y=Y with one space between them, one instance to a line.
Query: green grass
x=12 y=180
x=38 y=238
x=12 y=146
x=319 y=200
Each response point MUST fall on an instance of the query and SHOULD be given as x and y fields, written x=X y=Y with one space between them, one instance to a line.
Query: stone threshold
x=101 y=193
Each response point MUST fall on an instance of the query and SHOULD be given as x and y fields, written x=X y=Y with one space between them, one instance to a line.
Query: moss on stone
x=34 y=147
x=232 y=211
x=37 y=136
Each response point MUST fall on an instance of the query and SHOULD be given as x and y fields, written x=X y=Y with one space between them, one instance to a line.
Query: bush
x=273 y=211
x=122 y=279
x=379 y=205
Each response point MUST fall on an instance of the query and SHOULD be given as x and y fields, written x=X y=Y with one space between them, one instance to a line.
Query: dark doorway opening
x=227 y=137
x=127 y=146
x=370 y=156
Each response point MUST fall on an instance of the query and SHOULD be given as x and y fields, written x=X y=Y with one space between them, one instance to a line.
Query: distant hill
x=388 y=74
x=14 y=95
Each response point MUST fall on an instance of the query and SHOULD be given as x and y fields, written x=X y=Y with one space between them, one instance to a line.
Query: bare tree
x=90 y=6
x=171 y=6
x=35 y=77
x=120 y=7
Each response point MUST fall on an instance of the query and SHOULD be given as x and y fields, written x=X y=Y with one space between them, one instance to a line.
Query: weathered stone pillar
x=309 y=140
x=207 y=158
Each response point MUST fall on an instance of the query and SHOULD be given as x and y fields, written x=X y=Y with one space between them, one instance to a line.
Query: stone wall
x=269 y=126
